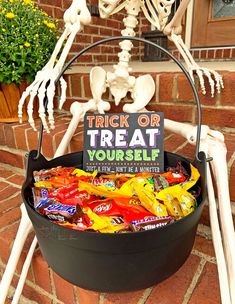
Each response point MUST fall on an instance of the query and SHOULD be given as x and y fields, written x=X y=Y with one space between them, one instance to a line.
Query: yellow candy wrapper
x=193 y=178
x=186 y=200
x=98 y=221
x=173 y=206
x=80 y=172
x=43 y=184
x=149 y=202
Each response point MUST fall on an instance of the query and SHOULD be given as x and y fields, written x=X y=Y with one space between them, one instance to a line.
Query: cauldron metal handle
x=196 y=97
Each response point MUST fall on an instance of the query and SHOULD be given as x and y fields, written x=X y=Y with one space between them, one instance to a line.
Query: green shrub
x=27 y=38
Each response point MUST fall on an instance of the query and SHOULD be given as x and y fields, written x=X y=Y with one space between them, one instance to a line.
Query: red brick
x=64 y=290
x=205 y=217
x=87 y=296
x=86 y=84
x=6 y=239
x=41 y=271
x=207 y=99
x=3 y=185
x=228 y=93
x=166 y=83
x=207 y=289
x=203 y=245
x=233 y=53
x=20 y=137
x=187 y=151
x=173 y=142
x=232 y=182
x=204 y=54
x=184 y=89
x=218 y=54
x=227 y=53
x=32 y=139
x=35 y=295
x=76 y=143
x=127 y=298
x=10 y=217
x=76 y=85
x=174 y=288
x=230 y=144
x=47 y=144
x=16 y=179
x=2 y=135
x=215 y=117
x=178 y=113
x=10 y=137
x=5 y=173
x=211 y=54
x=7 y=192
x=11 y=203
x=11 y=159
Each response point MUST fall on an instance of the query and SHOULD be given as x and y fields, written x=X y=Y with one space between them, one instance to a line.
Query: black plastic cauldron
x=115 y=262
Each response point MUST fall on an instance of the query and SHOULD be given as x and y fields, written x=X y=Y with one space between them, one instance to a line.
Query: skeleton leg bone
x=24 y=229
x=213 y=145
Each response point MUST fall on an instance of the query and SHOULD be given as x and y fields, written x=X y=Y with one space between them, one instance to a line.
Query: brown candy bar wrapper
x=151 y=223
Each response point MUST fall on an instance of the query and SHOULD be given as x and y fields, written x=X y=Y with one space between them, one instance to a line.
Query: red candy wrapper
x=106 y=207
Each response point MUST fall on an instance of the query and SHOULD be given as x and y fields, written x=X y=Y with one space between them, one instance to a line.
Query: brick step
x=192 y=281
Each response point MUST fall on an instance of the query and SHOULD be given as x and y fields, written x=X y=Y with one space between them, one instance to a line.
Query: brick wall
x=97 y=30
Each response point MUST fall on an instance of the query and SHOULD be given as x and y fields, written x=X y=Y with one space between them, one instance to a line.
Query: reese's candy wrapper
x=151 y=223
x=131 y=209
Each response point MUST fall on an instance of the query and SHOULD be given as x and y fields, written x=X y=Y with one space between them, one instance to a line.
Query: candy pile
x=114 y=203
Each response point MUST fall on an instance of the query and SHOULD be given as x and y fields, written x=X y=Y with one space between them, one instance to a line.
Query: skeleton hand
x=194 y=67
x=44 y=84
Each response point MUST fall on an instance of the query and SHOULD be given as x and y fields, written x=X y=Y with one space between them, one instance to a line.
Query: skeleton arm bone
x=173 y=30
x=175 y=25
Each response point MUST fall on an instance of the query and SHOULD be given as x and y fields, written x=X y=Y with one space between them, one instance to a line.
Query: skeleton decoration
x=119 y=83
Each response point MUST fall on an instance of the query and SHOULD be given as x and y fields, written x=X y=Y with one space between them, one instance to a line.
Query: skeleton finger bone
x=63 y=86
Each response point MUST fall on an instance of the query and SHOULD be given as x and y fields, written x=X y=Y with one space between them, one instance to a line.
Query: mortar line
x=194 y=281
x=102 y=298
x=75 y=294
x=204 y=256
x=145 y=296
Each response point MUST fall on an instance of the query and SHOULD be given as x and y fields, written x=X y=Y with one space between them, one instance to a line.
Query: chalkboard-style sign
x=124 y=143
